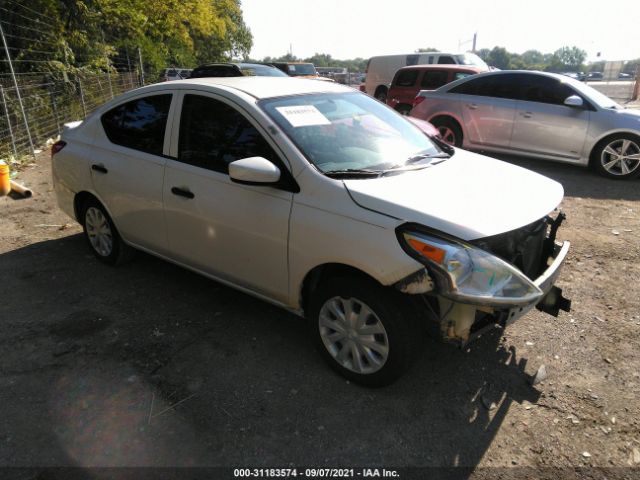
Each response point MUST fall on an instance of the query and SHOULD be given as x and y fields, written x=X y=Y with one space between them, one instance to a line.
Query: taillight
x=417 y=101
x=362 y=87
x=56 y=147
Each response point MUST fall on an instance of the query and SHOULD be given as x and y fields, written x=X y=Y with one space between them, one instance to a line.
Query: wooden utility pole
x=636 y=87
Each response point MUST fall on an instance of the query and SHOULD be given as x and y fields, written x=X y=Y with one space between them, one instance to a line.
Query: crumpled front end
x=528 y=264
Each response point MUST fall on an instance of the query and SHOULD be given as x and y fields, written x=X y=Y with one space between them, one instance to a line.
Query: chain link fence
x=39 y=93
x=48 y=103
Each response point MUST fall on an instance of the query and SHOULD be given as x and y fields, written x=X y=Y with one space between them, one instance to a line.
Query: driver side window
x=214 y=134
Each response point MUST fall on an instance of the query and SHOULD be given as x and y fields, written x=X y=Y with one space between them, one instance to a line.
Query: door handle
x=99 y=168
x=472 y=106
x=182 y=192
x=526 y=114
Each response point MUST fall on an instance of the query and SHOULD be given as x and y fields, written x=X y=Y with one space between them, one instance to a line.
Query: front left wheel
x=617 y=157
x=363 y=330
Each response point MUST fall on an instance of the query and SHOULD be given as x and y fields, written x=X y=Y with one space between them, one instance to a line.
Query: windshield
x=471 y=59
x=600 y=99
x=261 y=70
x=349 y=131
x=301 y=69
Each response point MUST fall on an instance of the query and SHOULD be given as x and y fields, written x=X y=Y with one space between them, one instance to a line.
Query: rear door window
x=498 y=86
x=139 y=124
x=407 y=78
x=433 y=79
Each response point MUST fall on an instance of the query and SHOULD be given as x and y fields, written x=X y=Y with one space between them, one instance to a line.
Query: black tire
x=117 y=252
x=449 y=129
x=381 y=95
x=608 y=164
x=402 y=334
x=403 y=109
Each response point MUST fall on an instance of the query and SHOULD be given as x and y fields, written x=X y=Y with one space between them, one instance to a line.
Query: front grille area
x=522 y=247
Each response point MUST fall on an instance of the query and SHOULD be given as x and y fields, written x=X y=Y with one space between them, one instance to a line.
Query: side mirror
x=254 y=171
x=574 y=101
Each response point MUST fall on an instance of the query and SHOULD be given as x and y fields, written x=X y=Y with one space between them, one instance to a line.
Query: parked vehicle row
x=408 y=81
x=536 y=114
x=239 y=69
x=381 y=69
x=321 y=200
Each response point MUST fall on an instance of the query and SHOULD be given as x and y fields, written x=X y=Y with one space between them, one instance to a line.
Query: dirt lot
x=149 y=364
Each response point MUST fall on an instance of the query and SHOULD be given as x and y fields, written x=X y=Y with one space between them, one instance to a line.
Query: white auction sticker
x=303 y=115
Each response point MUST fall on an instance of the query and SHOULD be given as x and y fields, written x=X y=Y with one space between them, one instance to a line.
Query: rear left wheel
x=102 y=235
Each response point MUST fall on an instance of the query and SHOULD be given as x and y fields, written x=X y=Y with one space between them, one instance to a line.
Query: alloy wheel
x=621 y=157
x=353 y=335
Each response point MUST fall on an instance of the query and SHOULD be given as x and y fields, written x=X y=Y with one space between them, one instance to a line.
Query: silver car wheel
x=621 y=157
x=98 y=231
x=353 y=335
x=448 y=135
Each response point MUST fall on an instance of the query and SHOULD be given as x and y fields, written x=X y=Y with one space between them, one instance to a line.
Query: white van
x=381 y=69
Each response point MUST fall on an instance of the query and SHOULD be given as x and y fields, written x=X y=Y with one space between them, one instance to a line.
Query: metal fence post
x=84 y=106
x=141 y=68
x=54 y=105
x=15 y=83
x=6 y=112
x=108 y=66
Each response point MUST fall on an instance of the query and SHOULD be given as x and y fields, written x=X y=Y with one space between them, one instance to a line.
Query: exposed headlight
x=468 y=274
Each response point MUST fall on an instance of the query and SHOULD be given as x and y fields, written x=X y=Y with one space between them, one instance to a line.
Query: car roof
x=257 y=87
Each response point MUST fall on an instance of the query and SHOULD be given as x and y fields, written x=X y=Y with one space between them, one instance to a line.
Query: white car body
x=269 y=241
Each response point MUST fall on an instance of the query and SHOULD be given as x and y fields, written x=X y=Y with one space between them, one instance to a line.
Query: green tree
x=532 y=57
x=499 y=58
x=428 y=49
x=84 y=34
x=568 y=59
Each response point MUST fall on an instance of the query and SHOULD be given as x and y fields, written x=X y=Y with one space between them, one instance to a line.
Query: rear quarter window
x=139 y=124
x=406 y=78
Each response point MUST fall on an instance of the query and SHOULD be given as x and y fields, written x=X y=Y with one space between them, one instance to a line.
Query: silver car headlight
x=467 y=274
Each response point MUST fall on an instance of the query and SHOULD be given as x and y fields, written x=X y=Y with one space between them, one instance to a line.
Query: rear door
x=488 y=105
x=127 y=167
x=235 y=232
x=544 y=124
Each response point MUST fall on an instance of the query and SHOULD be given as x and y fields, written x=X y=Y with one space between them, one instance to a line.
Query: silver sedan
x=536 y=114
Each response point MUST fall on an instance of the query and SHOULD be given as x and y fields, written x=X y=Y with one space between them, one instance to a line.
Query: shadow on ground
x=149 y=364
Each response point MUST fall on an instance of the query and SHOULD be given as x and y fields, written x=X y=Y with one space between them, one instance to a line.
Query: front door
x=235 y=232
x=544 y=124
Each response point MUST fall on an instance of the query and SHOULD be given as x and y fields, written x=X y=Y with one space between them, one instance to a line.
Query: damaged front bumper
x=461 y=322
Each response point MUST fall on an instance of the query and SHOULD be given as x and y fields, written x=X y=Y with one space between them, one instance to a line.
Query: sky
x=348 y=29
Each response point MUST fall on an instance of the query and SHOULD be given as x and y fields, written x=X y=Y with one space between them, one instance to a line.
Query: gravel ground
x=149 y=364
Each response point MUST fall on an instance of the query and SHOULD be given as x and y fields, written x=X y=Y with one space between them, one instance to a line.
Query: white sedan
x=321 y=200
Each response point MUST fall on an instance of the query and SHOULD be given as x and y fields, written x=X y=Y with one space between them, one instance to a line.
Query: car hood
x=468 y=196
